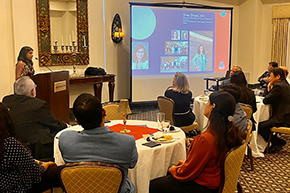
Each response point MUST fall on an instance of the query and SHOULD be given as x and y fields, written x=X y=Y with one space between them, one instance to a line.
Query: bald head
x=284 y=68
x=25 y=86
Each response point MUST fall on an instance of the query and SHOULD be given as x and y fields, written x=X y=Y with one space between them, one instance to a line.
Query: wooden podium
x=53 y=87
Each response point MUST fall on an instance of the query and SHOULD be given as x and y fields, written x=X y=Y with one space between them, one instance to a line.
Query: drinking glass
x=160 y=119
x=165 y=126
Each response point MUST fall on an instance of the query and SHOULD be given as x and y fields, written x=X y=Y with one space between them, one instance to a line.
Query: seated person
x=34 y=124
x=96 y=143
x=264 y=79
x=279 y=99
x=234 y=69
x=181 y=95
x=200 y=172
x=240 y=116
x=285 y=69
x=19 y=171
x=247 y=95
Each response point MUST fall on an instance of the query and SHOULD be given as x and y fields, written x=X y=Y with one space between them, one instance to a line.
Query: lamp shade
x=124 y=108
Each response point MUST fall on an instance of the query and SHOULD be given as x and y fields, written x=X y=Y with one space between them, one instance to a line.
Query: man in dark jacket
x=34 y=124
x=264 y=79
x=279 y=99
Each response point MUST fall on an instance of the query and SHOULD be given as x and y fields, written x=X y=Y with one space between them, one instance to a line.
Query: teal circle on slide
x=143 y=23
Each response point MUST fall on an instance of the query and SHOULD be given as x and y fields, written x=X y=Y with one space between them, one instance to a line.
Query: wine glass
x=160 y=119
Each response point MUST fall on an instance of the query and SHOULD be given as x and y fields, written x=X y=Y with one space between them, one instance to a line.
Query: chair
x=248 y=140
x=166 y=105
x=94 y=177
x=249 y=111
x=285 y=130
x=230 y=170
x=111 y=111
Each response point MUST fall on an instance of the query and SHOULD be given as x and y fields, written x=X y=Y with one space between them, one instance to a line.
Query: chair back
x=94 y=177
x=166 y=105
x=248 y=109
x=249 y=132
x=230 y=169
x=111 y=111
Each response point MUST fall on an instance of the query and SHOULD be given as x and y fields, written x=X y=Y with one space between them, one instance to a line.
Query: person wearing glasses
x=140 y=58
x=34 y=123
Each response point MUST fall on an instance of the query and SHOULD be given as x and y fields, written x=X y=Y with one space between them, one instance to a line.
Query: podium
x=53 y=87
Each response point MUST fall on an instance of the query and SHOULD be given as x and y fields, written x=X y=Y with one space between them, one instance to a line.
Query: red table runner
x=136 y=131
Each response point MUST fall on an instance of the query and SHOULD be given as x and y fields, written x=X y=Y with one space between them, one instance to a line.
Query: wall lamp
x=117 y=34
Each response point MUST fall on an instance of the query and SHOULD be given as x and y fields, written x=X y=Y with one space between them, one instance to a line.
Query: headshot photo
x=184 y=35
x=199 y=60
x=175 y=35
x=140 y=56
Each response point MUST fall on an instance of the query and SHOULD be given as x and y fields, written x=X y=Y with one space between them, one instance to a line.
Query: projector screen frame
x=178 y=5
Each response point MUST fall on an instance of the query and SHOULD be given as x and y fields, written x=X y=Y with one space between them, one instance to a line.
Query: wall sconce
x=117 y=34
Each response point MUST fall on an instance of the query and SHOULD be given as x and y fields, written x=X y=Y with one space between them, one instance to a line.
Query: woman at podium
x=24 y=66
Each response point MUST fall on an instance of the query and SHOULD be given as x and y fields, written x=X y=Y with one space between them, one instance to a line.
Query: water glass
x=165 y=126
x=160 y=119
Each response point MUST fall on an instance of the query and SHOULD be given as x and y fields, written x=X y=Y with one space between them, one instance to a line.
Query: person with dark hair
x=19 y=171
x=285 y=69
x=200 y=172
x=96 y=143
x=247 y=95
x=140 y=58
x=24 y=66
x=34 y=123
x=199 y=60
x=181 y=95
x=264 y=79
x=279 y=99
x=240 y=117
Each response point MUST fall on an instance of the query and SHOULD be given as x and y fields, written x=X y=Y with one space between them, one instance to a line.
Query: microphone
x=44 y=65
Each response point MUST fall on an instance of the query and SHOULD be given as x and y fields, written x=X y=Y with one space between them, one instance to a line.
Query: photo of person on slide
x=184 y=35
x=199 y=60
x=140 y=57
x=175 y=35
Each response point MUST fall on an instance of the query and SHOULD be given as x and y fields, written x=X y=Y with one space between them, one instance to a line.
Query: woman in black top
x=247 y=95
x=19 y=171
x=181 y=95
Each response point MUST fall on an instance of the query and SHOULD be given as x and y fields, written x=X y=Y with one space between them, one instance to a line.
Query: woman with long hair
x=200 y=172
x=19 y=171
x=181 y=95
x=247 y=95
x=140 y=57
x=174 y=35
x=24 y=66
x=199 y=60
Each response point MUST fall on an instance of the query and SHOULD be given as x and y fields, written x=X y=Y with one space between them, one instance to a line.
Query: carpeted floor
x=271 y=173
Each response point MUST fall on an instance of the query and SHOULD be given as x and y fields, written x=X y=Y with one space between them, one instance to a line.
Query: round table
x=152 y=162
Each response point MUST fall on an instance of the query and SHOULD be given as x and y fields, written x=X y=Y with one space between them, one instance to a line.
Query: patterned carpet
x=271 y=173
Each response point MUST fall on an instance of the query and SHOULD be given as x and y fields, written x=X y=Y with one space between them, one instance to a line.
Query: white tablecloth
x=152 y=162
x=257 y=144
